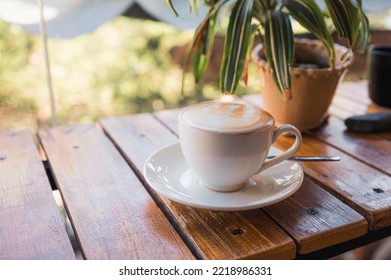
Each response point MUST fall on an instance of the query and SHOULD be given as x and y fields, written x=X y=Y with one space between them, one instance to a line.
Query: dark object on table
x=379 y=69
x=370 y=122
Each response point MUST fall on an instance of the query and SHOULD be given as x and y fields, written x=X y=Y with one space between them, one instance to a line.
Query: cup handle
x=288 y=153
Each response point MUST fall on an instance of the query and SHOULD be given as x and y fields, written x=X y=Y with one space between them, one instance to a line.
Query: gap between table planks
x=362 y=178
x=112 y=215
x=31 y=226
x=333 y=223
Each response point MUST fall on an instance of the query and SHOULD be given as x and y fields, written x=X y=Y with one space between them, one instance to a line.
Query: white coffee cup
x=225 y=144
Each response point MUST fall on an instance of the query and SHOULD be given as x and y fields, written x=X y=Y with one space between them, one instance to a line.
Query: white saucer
x=167 y=172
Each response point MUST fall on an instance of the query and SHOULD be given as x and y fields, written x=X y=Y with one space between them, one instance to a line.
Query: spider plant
x=272 y=19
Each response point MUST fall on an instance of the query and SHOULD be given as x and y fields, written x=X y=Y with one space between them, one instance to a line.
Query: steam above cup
x=225 y=144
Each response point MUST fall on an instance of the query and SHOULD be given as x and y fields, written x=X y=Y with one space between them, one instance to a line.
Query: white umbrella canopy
x=71 y=18
x=64 y=18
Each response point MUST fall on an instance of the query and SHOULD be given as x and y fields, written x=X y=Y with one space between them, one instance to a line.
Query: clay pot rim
x=338 y=48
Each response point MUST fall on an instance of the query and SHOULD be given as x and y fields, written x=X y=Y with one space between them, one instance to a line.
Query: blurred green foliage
x=126 y=66
x=15 y=48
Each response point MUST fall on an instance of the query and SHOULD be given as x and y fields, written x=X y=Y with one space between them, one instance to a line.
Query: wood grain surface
x=31 y=226
x=316 y=219
x=370 y=148
x=112 y=214
x=361 y=179
x=213 y=235
x=362 y=187
x=115 y=214
x=333 y=222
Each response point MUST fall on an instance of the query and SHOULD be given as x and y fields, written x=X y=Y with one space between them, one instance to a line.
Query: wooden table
x=116 y=215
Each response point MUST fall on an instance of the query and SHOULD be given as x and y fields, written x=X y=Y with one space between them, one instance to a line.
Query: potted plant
x=286 y=87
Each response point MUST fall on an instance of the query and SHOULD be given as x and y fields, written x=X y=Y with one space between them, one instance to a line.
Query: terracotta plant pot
x=312 y=89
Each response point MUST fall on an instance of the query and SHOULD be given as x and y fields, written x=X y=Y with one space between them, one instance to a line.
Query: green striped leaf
x=171 y=6
x=213 y=11
x=258 y=12
x=279 y=47
x=236 y=45
x=310 y=16
x=268 y=4
x=364 y=33
x=204 y=39
x=204 y=47
x=193 y=6
x=244 y=78
x=345 y=18
x=260 y=8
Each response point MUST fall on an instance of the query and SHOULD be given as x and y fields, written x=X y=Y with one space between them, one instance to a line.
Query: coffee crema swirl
x=226 y=117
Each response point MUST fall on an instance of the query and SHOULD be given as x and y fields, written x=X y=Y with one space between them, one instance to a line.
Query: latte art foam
x=226 y=117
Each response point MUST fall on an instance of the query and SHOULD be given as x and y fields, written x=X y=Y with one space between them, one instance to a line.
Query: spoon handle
x=312 y=158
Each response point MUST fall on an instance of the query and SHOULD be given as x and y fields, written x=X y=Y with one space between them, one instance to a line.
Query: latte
x=225 y=144
x=226 y=117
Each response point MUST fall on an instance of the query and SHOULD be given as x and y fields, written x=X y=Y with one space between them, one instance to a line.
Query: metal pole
x=42 y=29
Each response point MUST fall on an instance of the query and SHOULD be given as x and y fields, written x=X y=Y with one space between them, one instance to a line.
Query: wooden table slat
x=364 y=188
x=325 y=226
x=212 y=234
x=316 y=219
x=370 y=148
x=112 y=214
x=31 y=226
